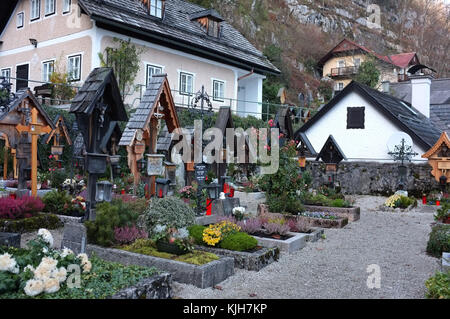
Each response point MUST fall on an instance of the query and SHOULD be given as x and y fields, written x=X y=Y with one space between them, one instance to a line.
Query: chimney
x=421 y=93
x=386 y=87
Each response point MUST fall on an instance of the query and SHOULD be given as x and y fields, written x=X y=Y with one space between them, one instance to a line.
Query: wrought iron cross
x=403 y=152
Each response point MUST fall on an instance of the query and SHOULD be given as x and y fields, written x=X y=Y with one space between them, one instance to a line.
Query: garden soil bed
x=254 y=261
x=292 y=243
x=352 y=213
x=204 y=276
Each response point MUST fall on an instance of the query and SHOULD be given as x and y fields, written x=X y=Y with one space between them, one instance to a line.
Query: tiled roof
x=422 y=130
x=176 y=28
x=439 y=100
x=401 y=60
x=143 y=112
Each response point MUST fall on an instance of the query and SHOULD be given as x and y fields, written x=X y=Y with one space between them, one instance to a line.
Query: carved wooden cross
x=35 y=129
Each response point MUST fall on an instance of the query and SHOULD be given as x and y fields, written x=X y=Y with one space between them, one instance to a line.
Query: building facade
x=193 y=46
x=341 y=64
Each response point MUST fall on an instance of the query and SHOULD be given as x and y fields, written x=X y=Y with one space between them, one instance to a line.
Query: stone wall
x=372 y=178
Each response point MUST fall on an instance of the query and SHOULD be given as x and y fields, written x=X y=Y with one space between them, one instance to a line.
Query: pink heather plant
x=276 y=229
x=251 y=226
x=24 y=207
x=128 y=235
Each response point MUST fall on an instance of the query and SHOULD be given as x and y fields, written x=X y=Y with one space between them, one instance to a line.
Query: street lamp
x=141 y=165
x=162 y=187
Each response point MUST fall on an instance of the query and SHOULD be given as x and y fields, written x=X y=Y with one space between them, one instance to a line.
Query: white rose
x=87 y=266
x=8 y=263
x=51 y=285
x=66 y=252
x=34 y=287
x=46 y=236
x=60 y=274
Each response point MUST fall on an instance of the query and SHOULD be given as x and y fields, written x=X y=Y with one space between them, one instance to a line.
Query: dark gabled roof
x=101 y=83
x=410 y=120
x=176 y=30
x=211 y=13
x=19 y=96
x=331 y=157
x=6 y=9
x=305 y=144
x=224 y=119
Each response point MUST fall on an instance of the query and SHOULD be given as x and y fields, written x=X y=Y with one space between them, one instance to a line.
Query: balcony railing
x=344 y=71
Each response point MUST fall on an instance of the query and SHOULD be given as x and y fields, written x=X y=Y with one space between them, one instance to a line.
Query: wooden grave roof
x=331 y=153
x=158 y=92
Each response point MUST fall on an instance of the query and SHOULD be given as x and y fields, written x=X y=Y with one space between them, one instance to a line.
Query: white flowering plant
x=38 y=269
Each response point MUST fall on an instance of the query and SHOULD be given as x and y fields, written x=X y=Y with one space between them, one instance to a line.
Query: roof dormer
x=209 y=20
x=155 y=7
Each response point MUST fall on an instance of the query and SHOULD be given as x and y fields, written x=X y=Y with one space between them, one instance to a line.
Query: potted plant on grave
x=172 y=240
x=443 y=214
x=187 y=194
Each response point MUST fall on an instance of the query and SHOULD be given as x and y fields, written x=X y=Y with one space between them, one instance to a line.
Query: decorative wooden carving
x=21 y=126
x=142 y=130
x=439 y=158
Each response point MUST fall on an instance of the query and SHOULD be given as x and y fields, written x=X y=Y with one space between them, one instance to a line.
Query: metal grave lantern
x=103 y=192
x=115 y=166
x=162 y=187
x=98 y=106
x=171 y=172
x=141 y=165
x=155 y=164
x=213 y=190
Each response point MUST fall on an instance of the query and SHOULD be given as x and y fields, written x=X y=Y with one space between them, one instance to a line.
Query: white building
x=363 y=121
x=194 y=46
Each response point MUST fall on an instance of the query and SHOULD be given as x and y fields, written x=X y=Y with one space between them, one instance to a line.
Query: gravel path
x=336 y=267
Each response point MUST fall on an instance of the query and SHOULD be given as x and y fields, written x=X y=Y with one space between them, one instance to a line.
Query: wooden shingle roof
x=101 y=83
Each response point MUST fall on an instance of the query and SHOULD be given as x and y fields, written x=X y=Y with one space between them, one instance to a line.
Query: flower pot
x=166 y=247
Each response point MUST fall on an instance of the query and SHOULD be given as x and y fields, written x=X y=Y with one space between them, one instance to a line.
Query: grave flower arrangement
x=398 y=201
x=40 y=268
x=179 y=237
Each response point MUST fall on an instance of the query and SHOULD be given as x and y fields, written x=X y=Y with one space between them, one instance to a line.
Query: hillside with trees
x=295 y=34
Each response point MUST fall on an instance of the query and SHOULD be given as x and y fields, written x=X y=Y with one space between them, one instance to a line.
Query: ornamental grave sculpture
x=98 y=106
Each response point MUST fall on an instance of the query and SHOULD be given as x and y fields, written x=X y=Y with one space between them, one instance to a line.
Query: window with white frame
x=218 y=90
x=47 y=70
x=186 y=83
x=50 y=7
x=74 y=67
x=35 y=9
x=66 y=6
x=156 y=8
x=20 y=20
x=357 y=62
x=6 y=73
x=341 y=64
x=339 y=86
x=152 y=70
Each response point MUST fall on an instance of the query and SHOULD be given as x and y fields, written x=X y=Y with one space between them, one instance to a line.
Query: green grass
x=104 y=280
x=147 y=247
